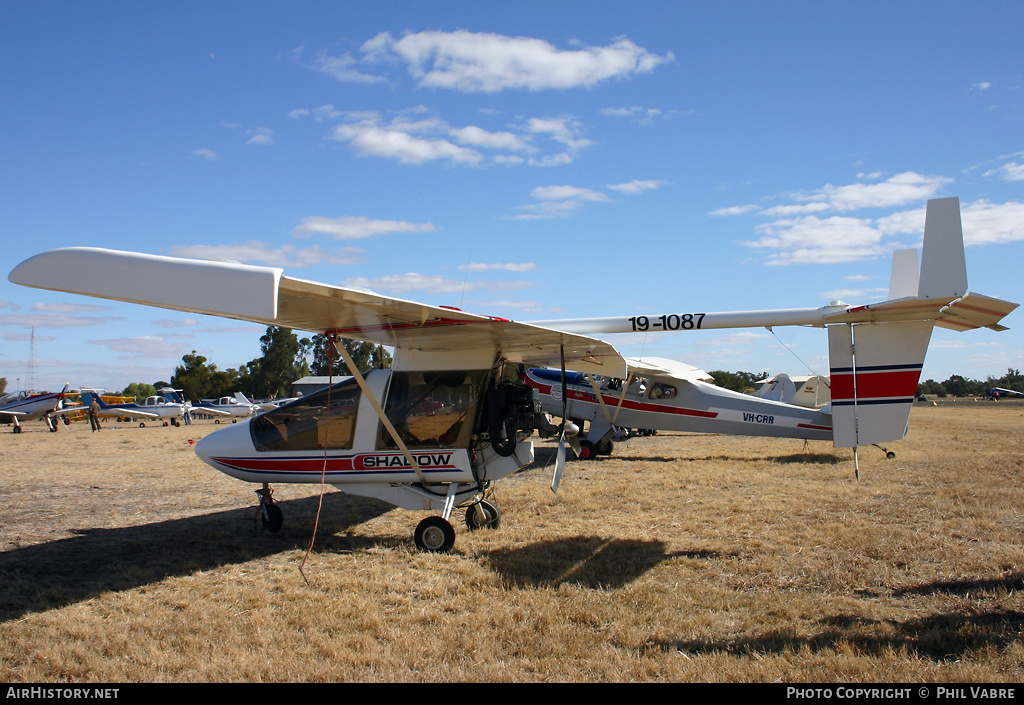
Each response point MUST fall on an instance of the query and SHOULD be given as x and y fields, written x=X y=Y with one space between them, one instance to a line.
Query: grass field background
x=681 y=557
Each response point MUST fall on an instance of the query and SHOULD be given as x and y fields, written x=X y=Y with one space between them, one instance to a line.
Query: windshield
x=324 y=419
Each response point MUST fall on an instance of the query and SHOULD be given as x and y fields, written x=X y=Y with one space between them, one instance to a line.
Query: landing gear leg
x=271 y=516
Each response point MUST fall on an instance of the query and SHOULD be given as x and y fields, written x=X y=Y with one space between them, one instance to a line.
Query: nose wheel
x=483 y=515
x=271 y=516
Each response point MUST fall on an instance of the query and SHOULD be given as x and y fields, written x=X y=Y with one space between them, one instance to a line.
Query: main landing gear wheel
x=271 y=517
x=483 y=515
x=435 y=534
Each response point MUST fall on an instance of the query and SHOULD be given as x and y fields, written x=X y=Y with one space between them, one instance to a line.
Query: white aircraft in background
x=25 y=406
x=452 y=414
x=237 y=407
x=153 y=408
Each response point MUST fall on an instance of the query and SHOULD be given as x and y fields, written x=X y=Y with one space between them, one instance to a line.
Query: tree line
x=285 y=358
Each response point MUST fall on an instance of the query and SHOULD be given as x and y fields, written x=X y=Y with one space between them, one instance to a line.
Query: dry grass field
x=680 y=558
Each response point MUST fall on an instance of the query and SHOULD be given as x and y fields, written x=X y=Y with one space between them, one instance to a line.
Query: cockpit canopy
x=428 y=409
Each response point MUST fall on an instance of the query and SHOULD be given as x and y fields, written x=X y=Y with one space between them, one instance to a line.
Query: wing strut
x=365 y=388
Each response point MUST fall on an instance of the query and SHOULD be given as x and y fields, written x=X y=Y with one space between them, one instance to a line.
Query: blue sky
x=526 y=160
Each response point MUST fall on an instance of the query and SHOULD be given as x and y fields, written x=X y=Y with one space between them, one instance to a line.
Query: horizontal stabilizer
x=975 y=311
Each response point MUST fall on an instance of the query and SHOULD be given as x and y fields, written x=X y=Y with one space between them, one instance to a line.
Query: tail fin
x=876 y=366
x=89 y=395
x=241 y=399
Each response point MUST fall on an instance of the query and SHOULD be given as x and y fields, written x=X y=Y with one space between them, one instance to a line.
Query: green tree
x=366 y=356
x=282 y=363
x=737 y=381
x=1012 y=380
x=3 y=385
x=139 y=390
x=959 y=386
x=199 y=380
x=930 y=386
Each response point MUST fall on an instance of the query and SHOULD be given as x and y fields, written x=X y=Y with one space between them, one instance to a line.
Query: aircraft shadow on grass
x=59 y=573
x=942 y=636
x=591 y=562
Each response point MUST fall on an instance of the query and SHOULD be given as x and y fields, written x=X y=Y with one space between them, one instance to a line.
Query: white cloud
x=433 y=283
x=898 y=190
x=482 y=267
x=68 y=308
x=144 y=347
x=557 y=202
x=478 y=137
x=636 y=186
x=992 y=223
x=342 y=68
x=735 y=210
x=253 y=252
x=414 y=138
x=54 y=320
x=488 y=63
x=260 y=136
x=1011 y=171
x=373 y=141
x=207 y=154
x=176 y=323
x=815 y=240
x=564 y=193
x=357 y=227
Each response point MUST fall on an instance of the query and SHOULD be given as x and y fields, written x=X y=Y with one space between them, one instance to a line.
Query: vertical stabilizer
x=904 y=281
x=943 y=265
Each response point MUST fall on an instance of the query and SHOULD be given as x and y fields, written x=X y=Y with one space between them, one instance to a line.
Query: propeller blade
x=556 y=479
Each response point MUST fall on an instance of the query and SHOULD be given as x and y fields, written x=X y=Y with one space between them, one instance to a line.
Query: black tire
x=271 y=517
x=491 y=516
x=435 y=534
x=588 y=451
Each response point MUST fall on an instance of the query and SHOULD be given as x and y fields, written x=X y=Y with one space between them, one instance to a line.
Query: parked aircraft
x=237 y=406
x=25 y=406
x=156 y=407
x=368 y=436
x=996 y=393
x=810 y=391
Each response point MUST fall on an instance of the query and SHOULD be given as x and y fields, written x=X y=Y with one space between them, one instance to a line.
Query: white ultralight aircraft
x=236 y=407
x=452 y=414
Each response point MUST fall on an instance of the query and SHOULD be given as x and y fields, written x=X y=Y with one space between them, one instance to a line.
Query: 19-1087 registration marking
x=682 y=321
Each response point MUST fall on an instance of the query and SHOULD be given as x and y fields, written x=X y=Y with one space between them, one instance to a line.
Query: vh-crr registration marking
x=673 y=321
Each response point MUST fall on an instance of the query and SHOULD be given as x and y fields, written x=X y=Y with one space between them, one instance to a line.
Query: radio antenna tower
x=32 y=373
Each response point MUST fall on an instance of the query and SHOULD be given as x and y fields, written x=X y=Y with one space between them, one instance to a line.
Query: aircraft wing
x=665 y=367
x=123 y=413
x=264 y=295
x=207 y=410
